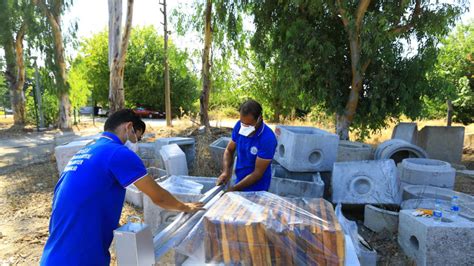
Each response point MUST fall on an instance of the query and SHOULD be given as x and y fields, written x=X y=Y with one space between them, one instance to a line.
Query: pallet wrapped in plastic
x=260 y=228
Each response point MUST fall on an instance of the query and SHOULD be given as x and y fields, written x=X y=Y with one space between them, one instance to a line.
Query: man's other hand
x=223 y=179
x=193 y=207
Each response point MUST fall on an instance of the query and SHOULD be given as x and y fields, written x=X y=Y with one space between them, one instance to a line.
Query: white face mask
x=246 y=130
x=132 y=146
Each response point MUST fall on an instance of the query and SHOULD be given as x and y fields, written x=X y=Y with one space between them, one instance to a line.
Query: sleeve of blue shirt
x=235 y=132
x=126 y=166
x=267 y=146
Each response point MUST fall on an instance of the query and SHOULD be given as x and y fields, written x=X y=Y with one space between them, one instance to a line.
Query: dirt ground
x=26 y=196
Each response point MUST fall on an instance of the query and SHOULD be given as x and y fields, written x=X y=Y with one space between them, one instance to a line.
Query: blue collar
x=260 y=131
x=263 y=127
x=111 y=136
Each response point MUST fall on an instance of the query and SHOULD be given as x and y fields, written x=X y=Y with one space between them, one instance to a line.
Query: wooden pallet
x=259 y=228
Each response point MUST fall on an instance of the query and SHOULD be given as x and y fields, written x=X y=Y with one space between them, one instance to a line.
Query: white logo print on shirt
x=253 y=150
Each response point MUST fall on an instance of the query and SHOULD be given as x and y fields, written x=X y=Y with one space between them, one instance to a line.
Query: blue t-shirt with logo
x=88 y=201
x=262 y=144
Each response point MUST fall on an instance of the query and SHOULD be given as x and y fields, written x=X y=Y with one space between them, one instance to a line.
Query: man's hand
x=223 y=179
x=230 y=189
x=163 y=198
x=193 y=207
x=227 y=162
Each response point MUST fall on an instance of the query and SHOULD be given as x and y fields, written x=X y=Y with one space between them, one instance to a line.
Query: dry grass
x=25 y=197
x=8 y=130
x=386 y=133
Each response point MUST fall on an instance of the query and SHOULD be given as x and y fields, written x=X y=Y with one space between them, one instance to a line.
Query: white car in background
x=103 y=112
x=98 y=111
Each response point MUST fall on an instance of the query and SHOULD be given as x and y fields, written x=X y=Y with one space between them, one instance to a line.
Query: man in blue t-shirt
x=255 y=143
x=89 y=196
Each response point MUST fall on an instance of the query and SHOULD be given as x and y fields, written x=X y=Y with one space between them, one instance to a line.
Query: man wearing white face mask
x=89 y=196
x=255 y=144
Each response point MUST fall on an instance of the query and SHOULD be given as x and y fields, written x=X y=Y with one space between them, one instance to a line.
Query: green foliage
x=4 y=93
x=50 y=106
x=229 y=45
x=79 y=88
x=268 y=84
x=226 y=91
x=228 y=34
x=44 y=36
x=454 y=73
x=144 y=71
x=309 y=46
x=94 y=57
x=38 y=38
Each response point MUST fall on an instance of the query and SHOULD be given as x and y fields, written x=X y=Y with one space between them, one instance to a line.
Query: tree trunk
x=116 y=93
x=15 y=75
x=54 y=19
x=206 y=67
x=167 y=69
x=64 y=102
x=64 y=110
x=352 y=24
x=344 y=121
x=276 y=115
x=117 y=52
x=450 y=113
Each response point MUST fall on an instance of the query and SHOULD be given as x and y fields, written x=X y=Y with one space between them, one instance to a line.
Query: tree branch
x=126 y=35
x=361 y=10
x=42 y=5
x=342 y=13
x=365 y=65
x=415 y=15
x=21 y=33
x=20 y=78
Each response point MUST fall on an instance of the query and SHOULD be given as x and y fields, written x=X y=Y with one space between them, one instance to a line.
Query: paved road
x=34 y=148
x=162 y=122
x=38 y=147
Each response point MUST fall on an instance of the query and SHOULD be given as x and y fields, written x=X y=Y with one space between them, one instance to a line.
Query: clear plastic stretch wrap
x=260 y=228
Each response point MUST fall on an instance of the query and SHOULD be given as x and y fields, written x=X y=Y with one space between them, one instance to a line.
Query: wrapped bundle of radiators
x=260 y=228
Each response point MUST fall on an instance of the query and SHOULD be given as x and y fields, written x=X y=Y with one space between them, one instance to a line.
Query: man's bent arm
x=229 y=158
x=260 y=167
x=159 y=195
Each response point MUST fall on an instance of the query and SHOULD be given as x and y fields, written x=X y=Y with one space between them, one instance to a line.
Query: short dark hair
x=124 y=116
x=251 y=107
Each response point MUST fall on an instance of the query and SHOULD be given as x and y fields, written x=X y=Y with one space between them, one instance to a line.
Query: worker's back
x=88 y=201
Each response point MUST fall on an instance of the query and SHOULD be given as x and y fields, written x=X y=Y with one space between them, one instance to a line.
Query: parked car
x=103 y=111
x=145 y=112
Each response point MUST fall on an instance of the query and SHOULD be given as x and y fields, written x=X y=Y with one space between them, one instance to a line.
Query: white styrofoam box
x=429 y=242
x=366 y=182
x=134 y=196
x=354 y=151
x=158 y=218
x=305 y=149
x=187 y=145
x=146 y=150
x=296 y=188
x=406 y=131
x=217 y=149
x=64 y=153
x=174 y=160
